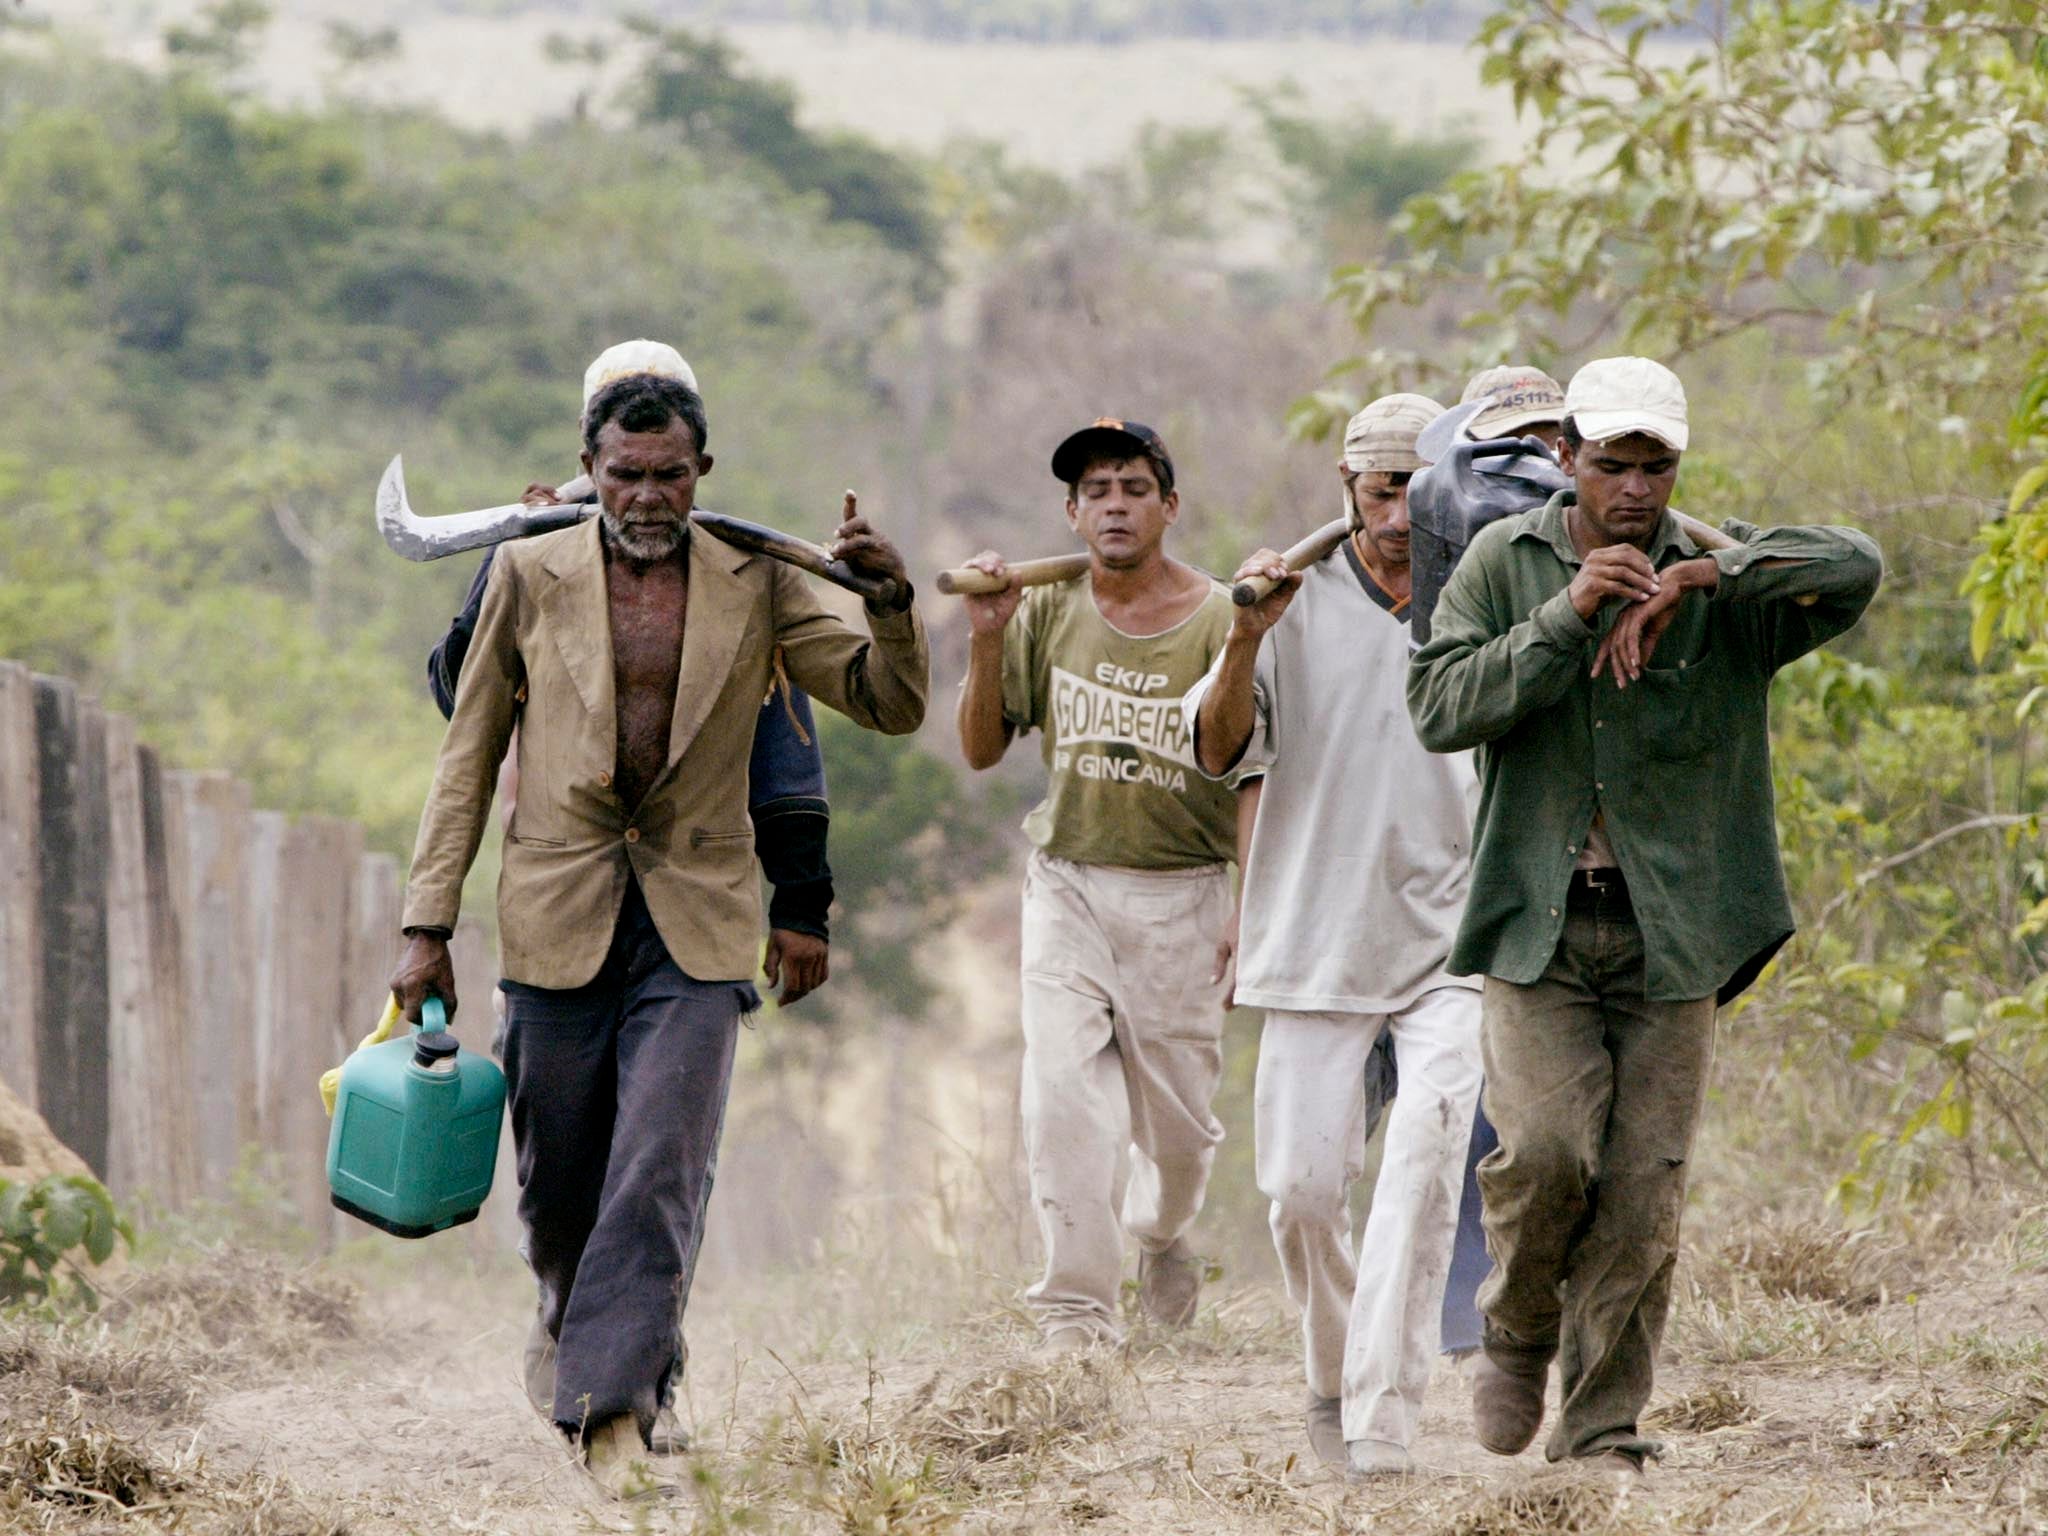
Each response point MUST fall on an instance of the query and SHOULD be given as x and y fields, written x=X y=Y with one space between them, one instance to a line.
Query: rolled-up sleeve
x=1806 y=585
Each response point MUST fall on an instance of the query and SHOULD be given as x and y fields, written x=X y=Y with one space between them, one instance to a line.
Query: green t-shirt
x=1122 y=785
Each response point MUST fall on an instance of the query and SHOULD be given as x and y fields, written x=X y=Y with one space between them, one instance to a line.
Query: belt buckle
x=1600 y=881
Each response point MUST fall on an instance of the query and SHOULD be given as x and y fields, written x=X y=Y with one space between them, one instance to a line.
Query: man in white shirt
x=1354 y=883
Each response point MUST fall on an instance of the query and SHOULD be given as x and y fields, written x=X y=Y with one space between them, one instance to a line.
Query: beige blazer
x=541 y=660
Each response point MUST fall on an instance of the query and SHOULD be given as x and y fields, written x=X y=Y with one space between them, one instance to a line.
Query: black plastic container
x=1451 y=500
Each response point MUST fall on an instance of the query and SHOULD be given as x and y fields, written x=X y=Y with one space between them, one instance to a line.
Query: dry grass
x=1714 y=1404
x=40 y=1365
x=1550 y=1504
x=1254 y=1486
x=79 y=1461
x=245 y=1306
x=1808 y=1261
x=1022 y=1410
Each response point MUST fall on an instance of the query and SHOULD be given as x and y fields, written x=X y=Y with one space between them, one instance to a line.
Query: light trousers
x=1123 y=1048
x=1370 y=1325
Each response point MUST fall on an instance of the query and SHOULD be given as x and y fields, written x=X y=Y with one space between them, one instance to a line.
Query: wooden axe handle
x=801 y=553
x=1297 y=559
x=967 y=581
x=1709 y=537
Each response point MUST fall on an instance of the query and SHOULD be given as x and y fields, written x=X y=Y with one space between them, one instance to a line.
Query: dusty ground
x=1812 y=1385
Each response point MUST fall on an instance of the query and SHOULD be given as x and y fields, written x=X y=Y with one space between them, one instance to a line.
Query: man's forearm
x=1223 y=725
x=984 y=733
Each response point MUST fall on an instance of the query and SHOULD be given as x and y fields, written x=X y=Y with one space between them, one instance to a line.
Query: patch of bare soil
x=1786 y=1414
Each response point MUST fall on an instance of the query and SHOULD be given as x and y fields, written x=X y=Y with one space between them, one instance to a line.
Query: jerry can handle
x=433 y=1016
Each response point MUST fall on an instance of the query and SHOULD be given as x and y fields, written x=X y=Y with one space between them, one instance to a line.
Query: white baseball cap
x=1613 y=396
x=630 y=357
x=1382 y=436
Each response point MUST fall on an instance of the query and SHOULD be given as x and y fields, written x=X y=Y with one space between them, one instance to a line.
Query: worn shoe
x=668 y=1437
x=1326 y=1430
x=1370 y=1459
x=1070 y=1339
x=539 y=1369
x=1507 y=1406
x=619 y=1462
x=1170 y=1283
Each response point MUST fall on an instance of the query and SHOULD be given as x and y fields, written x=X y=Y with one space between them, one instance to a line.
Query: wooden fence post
x=21 y=951
x=212 y=825
x=373 y=945
x=149 y=1115
x=71 y=864
x=311 y=995
x=264 y=870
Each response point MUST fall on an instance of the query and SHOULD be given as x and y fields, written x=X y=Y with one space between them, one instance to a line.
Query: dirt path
x=1846 y=1417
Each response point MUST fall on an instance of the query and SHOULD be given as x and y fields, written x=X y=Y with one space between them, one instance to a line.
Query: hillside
x=1064 y=106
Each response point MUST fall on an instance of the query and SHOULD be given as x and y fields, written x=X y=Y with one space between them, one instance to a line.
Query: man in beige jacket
x=632 y=653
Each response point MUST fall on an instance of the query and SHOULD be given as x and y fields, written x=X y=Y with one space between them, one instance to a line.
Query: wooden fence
x=177 y=967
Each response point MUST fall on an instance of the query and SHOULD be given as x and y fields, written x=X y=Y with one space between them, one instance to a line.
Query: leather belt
x=1601 y=890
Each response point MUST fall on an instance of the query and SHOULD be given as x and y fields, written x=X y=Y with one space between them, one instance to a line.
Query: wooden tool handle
x=801 y=553
x=1709 y=537
x=967 y=581
x=1299 y=558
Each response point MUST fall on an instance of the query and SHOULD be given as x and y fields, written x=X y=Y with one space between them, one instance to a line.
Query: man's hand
x=1612 y=571
x=857 y=543
x=424 y=971
x=798 y=962
x=1226 y=960
x=1628 y=646
x=989 y=612
x=1253 y=622
x=538 y=495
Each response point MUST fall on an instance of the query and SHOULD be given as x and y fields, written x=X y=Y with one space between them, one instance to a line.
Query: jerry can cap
x=433 y=1043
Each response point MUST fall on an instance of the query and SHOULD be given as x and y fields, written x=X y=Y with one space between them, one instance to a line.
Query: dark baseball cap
x=1109 y=437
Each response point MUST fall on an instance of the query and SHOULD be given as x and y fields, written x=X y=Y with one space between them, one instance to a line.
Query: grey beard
x=642 y=543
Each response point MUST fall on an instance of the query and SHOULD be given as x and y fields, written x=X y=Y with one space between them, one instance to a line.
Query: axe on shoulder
x=430 y=538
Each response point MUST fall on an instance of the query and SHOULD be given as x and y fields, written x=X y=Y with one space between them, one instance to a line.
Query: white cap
x=1382 y=436
x=629 y=357
x=1613 y=396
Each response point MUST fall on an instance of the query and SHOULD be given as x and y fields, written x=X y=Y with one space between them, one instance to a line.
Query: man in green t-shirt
x=1127 y=893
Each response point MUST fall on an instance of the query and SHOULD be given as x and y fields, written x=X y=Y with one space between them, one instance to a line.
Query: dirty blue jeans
x=618 y=1091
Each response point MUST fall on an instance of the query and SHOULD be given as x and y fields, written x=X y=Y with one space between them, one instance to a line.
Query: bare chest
x=647 y=615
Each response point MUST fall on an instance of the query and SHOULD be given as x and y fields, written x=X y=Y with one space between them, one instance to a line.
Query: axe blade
x=431 y=538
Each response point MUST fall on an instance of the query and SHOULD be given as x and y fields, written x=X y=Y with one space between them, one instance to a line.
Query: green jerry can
x=415 y=1134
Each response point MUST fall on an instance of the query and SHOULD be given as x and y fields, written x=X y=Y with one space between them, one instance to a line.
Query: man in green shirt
x=1615 y=680
x=1127 y=893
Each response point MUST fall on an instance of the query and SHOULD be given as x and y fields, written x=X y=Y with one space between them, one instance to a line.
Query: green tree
x=1864 y=178
x=692 y=83
x=223 y=40
x=1347 y=179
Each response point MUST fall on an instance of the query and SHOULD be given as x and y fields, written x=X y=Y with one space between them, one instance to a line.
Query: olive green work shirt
x=1680 y=760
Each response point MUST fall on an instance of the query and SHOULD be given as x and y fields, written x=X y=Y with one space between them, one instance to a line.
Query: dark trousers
x=1595 y=1091
x=618 y=1094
